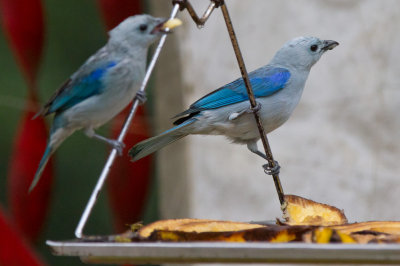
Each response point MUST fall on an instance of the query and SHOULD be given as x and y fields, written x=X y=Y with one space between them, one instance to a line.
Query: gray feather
x=153 y=144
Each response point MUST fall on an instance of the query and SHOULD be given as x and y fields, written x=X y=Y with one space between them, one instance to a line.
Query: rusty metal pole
x=243 y=71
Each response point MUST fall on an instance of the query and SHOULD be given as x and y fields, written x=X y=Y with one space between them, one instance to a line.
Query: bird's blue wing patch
x=265 y=82
x=80 y=89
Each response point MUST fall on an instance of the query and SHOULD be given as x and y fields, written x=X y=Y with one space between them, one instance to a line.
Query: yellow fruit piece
x=172 y=23
x=326 y=235
x=345 y=238
x=121 y=239
x=283 y=237
x=323 y=235
x=136 y=226
x=195 y=225
x=169 y=236
x=302 y=211
x=388 y=227
x=234 y=238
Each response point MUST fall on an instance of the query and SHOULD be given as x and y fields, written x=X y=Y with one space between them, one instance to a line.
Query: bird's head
x=303 y=52
x=141 y=30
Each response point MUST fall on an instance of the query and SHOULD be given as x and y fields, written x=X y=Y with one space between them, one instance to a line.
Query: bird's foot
x=272 y=170
x=141 y=97
x=249 y=110
x=118 y=145
x=254 y=109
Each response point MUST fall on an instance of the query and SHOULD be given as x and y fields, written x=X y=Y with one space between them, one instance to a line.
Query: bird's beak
x=329 y=45
x=167 y=25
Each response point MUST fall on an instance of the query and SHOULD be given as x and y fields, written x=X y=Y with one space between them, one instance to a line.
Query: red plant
x=24 y=27
x=129 y=182
x=115 y=11
x=13 y=249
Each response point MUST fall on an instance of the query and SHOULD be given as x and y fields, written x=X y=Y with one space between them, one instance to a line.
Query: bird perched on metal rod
x=226 y=111
x=104 y=85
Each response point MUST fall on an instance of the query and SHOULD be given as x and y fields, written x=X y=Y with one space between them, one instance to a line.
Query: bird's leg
x=141 y=97
x=267 y=169
x=234 y=116
x=118 y=145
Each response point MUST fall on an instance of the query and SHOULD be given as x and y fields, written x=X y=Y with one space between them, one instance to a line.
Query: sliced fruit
x=302 y=211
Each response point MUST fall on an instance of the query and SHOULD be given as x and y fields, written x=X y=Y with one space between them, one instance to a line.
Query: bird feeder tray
x=325 y=238
x=226 y=252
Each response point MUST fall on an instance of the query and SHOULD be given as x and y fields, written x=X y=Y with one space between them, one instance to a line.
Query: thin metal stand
x=242 y=66
x=200 y=22
x=113 y=154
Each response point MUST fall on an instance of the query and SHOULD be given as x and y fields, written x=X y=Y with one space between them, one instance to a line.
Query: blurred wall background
x=340 y=146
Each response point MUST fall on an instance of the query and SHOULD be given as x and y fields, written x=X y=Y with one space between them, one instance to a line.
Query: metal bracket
x=185 y=4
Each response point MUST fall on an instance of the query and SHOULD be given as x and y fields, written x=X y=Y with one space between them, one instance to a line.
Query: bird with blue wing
x=104 y=85
x=226 y=111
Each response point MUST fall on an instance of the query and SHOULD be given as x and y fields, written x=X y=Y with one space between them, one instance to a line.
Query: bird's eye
x=143 y=27
x=314 y=47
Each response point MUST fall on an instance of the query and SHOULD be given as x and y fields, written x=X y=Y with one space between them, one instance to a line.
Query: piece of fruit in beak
x=171 y=23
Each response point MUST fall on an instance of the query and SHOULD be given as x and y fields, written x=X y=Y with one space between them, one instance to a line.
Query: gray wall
x=341 y=145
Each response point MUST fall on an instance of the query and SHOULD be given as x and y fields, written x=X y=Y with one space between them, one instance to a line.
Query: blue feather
x=81 y=89
x=58 y=122
x=265 y=82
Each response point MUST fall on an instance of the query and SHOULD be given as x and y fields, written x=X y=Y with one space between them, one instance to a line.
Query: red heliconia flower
x=128 y=183
x=23 y=25
x=13 y=249
x=115 y=11
x=29 y=210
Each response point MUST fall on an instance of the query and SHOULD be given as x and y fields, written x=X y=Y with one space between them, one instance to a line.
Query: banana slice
x=195 y=225
x=172 y=23
x=302 y=211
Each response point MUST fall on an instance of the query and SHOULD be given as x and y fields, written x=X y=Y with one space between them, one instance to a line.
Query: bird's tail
x=57 y=135
x=46 y=156
x=153 y=144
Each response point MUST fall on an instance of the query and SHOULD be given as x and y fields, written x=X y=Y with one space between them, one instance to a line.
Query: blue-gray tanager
x=104 y=85
x=277 y=87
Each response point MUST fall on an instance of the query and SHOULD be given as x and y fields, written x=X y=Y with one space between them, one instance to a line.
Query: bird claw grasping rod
x=116 y=144
x=141 y=97
x=274 y=170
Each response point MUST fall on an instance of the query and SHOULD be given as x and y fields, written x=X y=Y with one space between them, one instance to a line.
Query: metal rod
x=111 y=158
x=200 y=21
x=264 y=139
